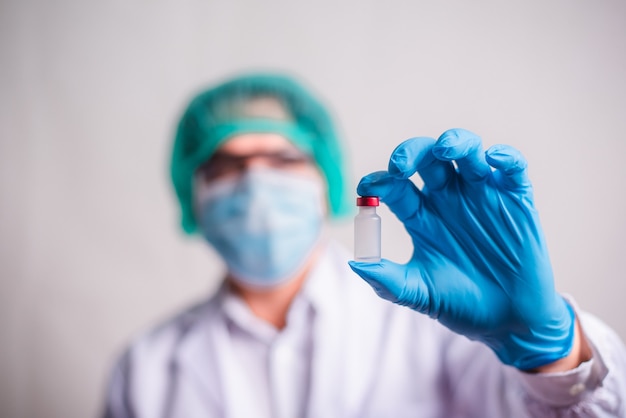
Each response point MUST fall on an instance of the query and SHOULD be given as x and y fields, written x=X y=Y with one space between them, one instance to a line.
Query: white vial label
x=367 y=235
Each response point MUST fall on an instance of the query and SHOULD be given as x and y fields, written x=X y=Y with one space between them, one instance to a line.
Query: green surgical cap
x=256 y=103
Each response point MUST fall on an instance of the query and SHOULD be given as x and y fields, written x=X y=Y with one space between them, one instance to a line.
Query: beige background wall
x=90 y=252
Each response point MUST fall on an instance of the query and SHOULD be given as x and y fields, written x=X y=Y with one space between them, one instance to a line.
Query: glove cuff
x=543 y=345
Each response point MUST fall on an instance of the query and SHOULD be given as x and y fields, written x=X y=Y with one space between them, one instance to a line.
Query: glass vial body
x=367 y=230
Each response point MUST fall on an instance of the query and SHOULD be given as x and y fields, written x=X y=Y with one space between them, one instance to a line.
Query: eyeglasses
x=223 y=164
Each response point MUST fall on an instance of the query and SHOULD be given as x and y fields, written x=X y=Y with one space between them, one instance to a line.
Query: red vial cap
x=367 y=201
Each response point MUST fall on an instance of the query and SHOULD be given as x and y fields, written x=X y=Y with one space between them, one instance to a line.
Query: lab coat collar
x=314 y=295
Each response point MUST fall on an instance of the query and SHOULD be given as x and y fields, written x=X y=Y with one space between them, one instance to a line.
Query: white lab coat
x=361 y=357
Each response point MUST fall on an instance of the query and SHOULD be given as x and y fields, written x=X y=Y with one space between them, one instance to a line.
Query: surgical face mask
x=265 y=223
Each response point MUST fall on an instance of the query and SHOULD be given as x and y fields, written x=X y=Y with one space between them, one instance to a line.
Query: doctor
x=293 y=332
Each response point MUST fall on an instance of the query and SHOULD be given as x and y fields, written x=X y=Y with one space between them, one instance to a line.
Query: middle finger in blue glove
x=466 y=149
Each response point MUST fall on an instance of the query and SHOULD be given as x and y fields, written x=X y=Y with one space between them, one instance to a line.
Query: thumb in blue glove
x=480 y=263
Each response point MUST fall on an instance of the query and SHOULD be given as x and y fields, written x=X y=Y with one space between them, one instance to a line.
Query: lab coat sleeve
x=596 y=388
x=480 y=385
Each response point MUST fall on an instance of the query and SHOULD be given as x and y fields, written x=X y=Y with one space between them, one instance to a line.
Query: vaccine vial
x=367 y=230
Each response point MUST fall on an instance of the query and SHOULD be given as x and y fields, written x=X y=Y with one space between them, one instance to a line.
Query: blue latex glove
x=480 y=263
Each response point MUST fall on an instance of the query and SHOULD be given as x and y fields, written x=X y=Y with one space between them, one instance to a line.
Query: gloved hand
x=480 y=263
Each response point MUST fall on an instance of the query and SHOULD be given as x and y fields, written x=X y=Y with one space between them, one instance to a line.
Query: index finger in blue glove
x=466 y=149
x=415 y=155
x=400 y=195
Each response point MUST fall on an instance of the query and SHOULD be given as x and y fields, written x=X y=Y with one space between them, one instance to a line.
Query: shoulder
x=142 y=373
x=154 y=347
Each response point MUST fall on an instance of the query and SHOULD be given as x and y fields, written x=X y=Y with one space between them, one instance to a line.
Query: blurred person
x=291 y=332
